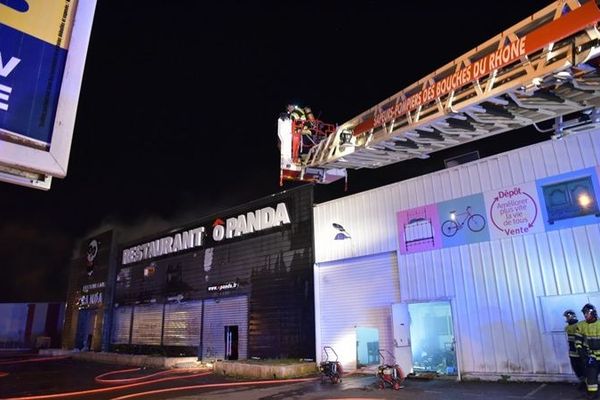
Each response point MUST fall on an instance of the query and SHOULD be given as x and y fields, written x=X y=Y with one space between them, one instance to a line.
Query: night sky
x=177 y=116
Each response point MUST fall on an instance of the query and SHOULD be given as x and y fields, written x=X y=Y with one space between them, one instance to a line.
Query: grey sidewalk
x=364 y=387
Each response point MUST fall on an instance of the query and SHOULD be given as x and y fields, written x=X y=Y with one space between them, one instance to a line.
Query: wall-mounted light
x=343 y=234
x=584 y=200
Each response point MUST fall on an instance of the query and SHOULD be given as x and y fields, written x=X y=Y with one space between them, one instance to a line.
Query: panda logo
x=92 y=252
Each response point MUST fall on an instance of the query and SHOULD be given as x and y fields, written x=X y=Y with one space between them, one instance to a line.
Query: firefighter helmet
x=569 y=314
x=589 y=307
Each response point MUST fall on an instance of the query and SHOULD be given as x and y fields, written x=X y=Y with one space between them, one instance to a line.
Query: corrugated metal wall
x=147 y=324
x=357 y=293
x=370 y=217
x=218 y=314
x=182 y=324
x=121 y=325
x=13 y=319
x=47 y=321
x=495 y=286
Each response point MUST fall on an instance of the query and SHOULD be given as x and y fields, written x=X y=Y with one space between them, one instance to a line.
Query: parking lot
x=28 y=376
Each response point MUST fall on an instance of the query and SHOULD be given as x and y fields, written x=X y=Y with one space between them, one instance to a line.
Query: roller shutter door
x=182 y=324
x=353 y=293
x=121 y=325
x=218 y=314
x=147 y=324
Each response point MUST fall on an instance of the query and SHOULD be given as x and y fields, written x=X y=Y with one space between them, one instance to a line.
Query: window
x=174 y=274
x=149 y=271
x=570 y=199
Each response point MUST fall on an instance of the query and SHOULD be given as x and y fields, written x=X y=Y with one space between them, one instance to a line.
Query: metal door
x=219 y=313
x=401 y=331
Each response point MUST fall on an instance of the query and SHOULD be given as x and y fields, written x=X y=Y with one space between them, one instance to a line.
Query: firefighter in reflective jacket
x=574 y=357
x=305 y=118
x=587 y=343
x=296 y=113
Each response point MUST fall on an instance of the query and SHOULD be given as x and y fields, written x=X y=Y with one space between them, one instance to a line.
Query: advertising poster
x=557 y=202
x=569 y=199
x=463 y=221
x=93 y=270
x=418 y=229
x=513 y=211
x=35 y=39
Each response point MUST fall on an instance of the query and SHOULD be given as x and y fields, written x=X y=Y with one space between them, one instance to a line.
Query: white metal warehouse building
x=495 y=302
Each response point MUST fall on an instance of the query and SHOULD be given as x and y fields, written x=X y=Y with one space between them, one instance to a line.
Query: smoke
x=145 y=226
x=183 y=210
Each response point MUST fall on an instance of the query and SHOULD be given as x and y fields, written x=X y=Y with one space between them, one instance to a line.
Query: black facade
x=87 y=317
x=237 y=284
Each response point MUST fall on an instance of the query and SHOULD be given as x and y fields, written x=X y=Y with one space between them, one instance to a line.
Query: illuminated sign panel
x=92 y=271
x=165 y=245
x=34 y=52
x=234 y=227
x=250 y=222
x=42 y=54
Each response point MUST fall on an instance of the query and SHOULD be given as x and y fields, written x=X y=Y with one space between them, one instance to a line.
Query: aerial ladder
x=545 y=68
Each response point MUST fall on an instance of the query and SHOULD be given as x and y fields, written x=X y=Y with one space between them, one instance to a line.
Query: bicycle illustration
x=475 y=222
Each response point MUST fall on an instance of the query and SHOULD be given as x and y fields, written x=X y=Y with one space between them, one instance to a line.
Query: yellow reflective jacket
x=571 y=330
x=587 y=337
x=298 y=114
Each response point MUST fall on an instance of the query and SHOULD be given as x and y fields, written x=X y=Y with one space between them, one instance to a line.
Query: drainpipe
x=201 y=345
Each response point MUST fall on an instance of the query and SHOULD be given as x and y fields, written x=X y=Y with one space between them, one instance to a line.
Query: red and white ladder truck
x=546 y=67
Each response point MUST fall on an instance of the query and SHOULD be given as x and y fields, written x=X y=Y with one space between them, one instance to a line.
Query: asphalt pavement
x=365 y=387
x=26 y=375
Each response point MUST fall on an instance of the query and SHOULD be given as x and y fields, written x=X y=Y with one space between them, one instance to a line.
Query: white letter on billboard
x=218 y=233
x=241 y=227
x=267 y=217
x=177 y=245
x=197 y=233
x=7 y=69
x=281 y=215
x=252 y=222
x=230 y=226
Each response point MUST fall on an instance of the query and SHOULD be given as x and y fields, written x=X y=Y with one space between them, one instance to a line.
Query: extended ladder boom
x=544 y=67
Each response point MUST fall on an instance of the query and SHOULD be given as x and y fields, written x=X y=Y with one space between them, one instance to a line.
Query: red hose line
x=100 y=379
x=120 y=371
x=212 y=385
x=103 y=390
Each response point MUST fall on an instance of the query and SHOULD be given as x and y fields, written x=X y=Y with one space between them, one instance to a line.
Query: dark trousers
x=578 y=367
x=591 y=377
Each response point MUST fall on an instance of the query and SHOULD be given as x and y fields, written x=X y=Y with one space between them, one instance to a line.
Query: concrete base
x=245 y=369
x=518 y=377
x=127 y=359
x=264 y=371
x=54 y=352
